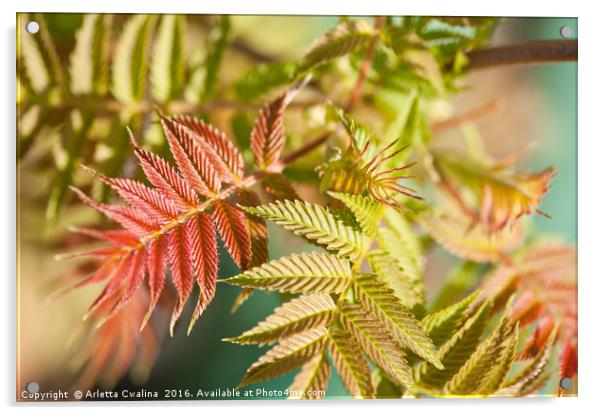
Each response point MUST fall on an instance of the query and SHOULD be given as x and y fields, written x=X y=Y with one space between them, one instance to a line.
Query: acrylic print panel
x=305 y=207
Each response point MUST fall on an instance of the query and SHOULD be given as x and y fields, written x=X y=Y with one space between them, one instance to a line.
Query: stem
x=379 y=21
x=482 y=111
x=540 y=51
x=453 y=192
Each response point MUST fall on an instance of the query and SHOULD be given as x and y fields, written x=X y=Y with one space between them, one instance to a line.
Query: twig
x=540 y=51
x=453 y=122
x=453 y=192
x=379 y=21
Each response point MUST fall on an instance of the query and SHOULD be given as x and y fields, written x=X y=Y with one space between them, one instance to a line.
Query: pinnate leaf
x=376 y=343
x=234 y=231
x=349 y=361
x=299 y=273
x=314 y=223
x=289 y=354
x=89 y=60
x=381 y=302
x=302 y=313
x=345 y=38
x=312 y=380
x=130 y=65
x=168 y=61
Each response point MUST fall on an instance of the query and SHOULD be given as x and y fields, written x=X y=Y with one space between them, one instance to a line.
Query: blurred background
x=536 y=104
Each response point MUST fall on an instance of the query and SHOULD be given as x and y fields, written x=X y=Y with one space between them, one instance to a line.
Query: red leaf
x=116 y=347
x=193 y=162
x=133 y=280
x=116 y=280
x=202 y=238
x=234 y=231
x=133 y=220
x=181 y=270
x=568 y=359
x=538 y=338
x=156 y=262
x=225 y=156
x=267 y=137
x=166 y=179
x=142 y=197
x=278 y=187
x=258 y=230
x=117 y=237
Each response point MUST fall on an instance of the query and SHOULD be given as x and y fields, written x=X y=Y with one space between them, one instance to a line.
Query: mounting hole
x=566 y=32
x=33 y=387
x=566 y=383
x=32 y=27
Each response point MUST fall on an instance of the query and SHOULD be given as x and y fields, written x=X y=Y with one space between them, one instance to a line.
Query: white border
x=590 y=274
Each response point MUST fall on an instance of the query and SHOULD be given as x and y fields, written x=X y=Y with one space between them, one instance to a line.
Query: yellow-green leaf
x=380 y=301
x=314 y=223
x=130 y=65
x=349 y=361
x=377 y=343
x=89 y=60
x=168 y=60
x=302 y=313
x=303 y=273
x=289 y=354
x=366 y=210
x=345 y=38
x=311 y=382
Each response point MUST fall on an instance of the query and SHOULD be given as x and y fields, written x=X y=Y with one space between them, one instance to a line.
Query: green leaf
x=349 y=361
x=89 y=60
x=216 y=46
x=37 y=53
x=312 y=380
x=376 y=343
x=302 y=313
x=315 y=223
x=400 y=241
x=289 y=354
x=380 y=301
x=487 y=355
x=385 y=387
x=347 y=37
x=263 y=78
x=76 y=130
x=204 y=76
x=387 y=268
x=168 y=60
x=130 y=65
x=533 y=375
x=441 y=325
x=496 y=375
x=303 y=273
x=455 y=351
x=366 y=210
x=359 y=135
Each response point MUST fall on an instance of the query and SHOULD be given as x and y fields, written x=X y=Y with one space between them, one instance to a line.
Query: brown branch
x=539 y=51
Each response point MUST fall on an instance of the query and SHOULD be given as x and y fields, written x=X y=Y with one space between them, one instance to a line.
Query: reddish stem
x=379 y=21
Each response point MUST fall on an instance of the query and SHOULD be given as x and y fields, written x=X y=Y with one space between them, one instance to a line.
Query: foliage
x=357 y=304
